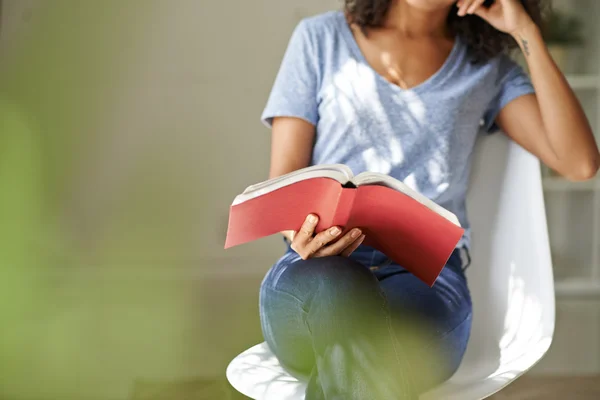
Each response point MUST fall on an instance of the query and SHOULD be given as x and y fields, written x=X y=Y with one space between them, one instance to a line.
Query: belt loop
x=465 y=257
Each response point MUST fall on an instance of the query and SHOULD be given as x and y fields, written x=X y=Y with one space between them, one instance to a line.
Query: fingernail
x=355 y=233
x=312 y=218
x=334 y=231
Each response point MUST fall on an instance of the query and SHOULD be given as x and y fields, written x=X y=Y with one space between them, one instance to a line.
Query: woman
x=401 y=87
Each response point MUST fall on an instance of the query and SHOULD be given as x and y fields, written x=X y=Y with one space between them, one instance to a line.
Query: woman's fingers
x=317 y=245
x=468 y=6
x=476 y=4
x=308 y=245
x=350 y=249
x=307 y=230
x=338 y=247
x=463 y=5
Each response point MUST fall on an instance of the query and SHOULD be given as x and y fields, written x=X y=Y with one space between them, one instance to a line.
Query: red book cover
x=407 y=231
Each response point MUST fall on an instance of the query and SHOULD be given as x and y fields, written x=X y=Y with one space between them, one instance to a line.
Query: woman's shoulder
x=502 y=67
x=321 y=25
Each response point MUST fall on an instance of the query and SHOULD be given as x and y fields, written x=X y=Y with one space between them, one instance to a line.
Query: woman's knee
x=334 y=273
x=336 y=268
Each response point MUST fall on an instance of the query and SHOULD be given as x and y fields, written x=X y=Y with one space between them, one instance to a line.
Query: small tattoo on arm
x=525 y=45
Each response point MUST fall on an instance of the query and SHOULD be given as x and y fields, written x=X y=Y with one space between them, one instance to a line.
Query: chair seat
x=257 y=374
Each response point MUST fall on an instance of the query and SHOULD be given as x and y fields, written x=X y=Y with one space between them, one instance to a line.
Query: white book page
x=373 y=178
x=338 y=172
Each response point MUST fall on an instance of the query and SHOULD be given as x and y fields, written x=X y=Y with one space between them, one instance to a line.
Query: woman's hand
x=308 y=245
x=508 y=16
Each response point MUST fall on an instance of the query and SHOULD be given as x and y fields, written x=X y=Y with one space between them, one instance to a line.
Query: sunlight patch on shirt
x=414 y=110
x=442 y=187
x=397 y=155
x=355 y=89
x=411 y=182
x=415 y=106
x=435 y=171
x=376 y=163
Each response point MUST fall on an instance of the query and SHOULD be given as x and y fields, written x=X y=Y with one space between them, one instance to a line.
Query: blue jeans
x=357 y=333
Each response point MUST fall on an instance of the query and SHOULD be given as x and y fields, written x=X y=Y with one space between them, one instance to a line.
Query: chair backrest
x=511 y=272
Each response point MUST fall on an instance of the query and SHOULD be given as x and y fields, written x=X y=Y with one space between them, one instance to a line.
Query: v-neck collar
x=357 y=52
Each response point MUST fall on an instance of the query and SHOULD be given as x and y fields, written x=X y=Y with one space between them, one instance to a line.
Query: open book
x=408 y=227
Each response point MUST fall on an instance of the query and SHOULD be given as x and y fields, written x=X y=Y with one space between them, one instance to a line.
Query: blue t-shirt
x=423 y=136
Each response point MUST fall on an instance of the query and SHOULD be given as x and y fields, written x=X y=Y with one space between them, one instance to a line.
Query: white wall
x=191 y=96
x=186 y=85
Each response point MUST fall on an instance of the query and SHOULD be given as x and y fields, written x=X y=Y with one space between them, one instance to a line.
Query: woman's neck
x=417 y=21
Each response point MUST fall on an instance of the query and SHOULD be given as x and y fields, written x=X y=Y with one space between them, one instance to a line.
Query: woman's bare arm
x=552 y=125
x=292 y=141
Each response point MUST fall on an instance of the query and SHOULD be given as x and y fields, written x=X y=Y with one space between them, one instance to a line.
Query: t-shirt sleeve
x=294 y=93
x=513 y=82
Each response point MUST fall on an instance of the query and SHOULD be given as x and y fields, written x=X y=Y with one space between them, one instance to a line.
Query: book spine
x=344 y=207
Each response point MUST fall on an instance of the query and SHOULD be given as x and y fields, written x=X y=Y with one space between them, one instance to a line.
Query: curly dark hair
x=483 y=40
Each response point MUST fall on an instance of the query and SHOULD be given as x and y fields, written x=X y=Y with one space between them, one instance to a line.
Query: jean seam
x=460 y=324
x=301 y=303
x=279 y=291
x=468 y=263
x=393 y=338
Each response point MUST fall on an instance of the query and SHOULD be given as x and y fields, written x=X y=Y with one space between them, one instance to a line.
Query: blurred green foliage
x=64 y=332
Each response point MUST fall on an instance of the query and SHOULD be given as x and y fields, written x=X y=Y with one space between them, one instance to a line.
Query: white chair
x=510 y=279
